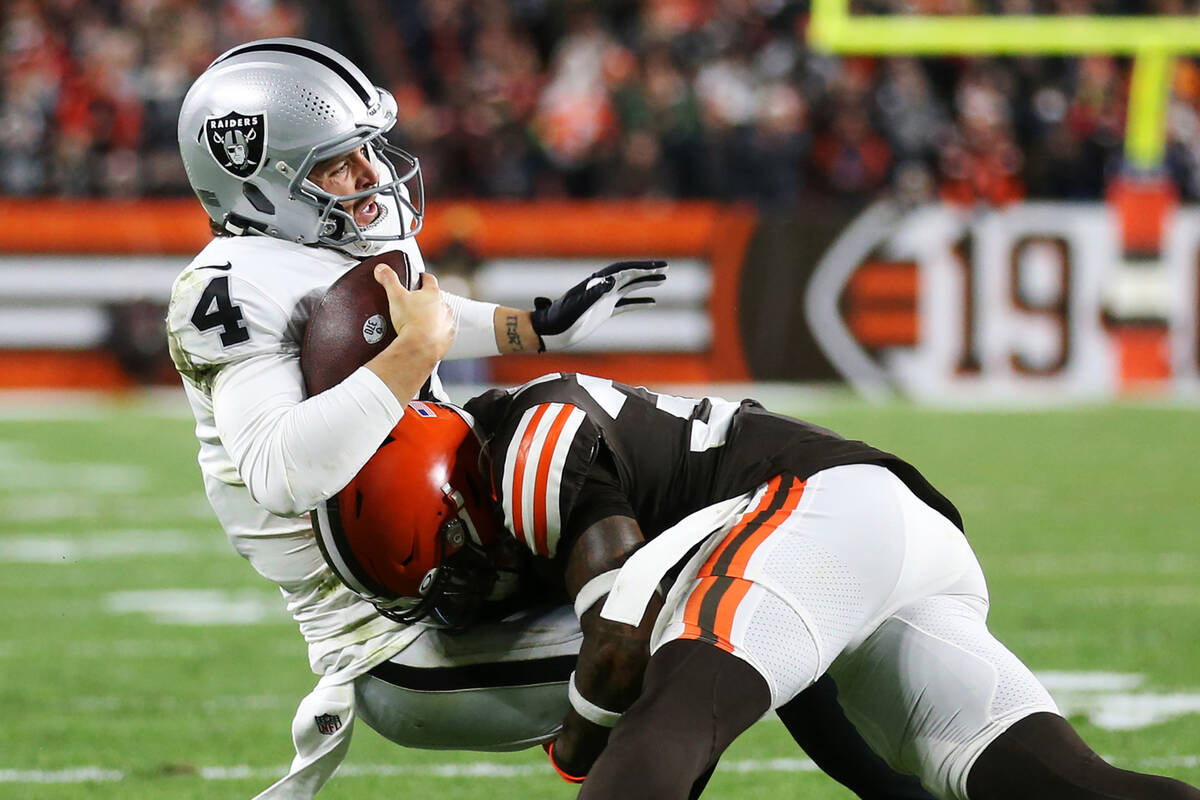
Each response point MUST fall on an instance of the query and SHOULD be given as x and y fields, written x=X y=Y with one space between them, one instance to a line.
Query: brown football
x=351 y=324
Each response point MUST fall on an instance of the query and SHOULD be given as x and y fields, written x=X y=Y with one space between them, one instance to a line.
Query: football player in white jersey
x=283 y=143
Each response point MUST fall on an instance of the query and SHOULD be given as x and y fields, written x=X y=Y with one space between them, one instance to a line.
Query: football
x=350 y=324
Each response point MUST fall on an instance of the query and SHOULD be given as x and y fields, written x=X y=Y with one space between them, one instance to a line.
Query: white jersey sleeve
x=294 y=453
x=475 y=335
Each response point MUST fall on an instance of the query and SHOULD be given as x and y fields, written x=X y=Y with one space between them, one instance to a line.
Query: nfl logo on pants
x=328 y=723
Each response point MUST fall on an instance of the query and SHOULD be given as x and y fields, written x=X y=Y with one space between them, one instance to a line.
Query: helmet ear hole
x=257 y=198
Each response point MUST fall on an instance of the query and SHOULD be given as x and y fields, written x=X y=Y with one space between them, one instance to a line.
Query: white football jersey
x=235 y=324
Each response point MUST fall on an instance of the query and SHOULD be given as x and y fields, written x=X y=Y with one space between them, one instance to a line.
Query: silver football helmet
x=258 y=119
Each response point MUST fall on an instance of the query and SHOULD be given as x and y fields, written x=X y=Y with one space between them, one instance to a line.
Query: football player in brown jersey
x=722 y=561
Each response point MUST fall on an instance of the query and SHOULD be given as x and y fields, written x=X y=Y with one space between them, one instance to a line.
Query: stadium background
x=940 y=233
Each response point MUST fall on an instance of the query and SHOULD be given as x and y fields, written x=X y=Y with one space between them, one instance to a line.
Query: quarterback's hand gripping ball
x=352 y=324
x=563 y=322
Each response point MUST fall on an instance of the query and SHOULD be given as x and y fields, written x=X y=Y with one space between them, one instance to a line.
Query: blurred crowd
x=608 y=98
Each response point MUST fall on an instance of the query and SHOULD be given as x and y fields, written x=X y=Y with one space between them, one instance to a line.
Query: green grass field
x=118 y=683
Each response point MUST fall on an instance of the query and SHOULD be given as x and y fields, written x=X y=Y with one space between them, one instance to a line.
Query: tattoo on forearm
x=514 y=335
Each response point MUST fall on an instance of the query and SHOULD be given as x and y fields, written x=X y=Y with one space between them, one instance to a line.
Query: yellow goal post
x=1153 y=42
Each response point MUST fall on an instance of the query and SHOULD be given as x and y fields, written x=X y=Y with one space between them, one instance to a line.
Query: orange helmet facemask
x=416 y=531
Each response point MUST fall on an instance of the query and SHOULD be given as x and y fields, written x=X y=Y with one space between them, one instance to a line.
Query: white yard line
x=199 y=606
x=45 y=548
x=470 y=769
x=68 y=775
x=1103 y=562
x=21 y=406
x=24 y=471
x=109 y=704
x=57 y=506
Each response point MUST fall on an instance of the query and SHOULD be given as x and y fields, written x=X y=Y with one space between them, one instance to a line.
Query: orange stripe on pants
x=740 y=543
x=763 y=503
x=712 y=606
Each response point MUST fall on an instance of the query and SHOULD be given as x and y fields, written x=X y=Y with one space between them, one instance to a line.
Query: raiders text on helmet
x=263 y=114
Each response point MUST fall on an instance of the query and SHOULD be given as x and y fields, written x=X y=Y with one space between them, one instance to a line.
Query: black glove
x=565 y=321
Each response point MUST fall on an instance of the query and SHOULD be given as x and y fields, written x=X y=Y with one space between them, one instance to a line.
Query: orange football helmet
x=414 y=531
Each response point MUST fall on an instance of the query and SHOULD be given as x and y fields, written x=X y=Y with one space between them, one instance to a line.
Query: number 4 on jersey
x=215 y=310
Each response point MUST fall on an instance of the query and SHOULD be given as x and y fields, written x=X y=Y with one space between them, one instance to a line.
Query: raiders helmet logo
x=237 y=142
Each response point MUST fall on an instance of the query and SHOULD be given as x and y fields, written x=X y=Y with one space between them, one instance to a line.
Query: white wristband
x=475 y=331
x=589 y=710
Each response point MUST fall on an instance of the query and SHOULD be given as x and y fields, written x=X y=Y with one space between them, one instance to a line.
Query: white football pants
x=496 y=686
x=849 y=572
